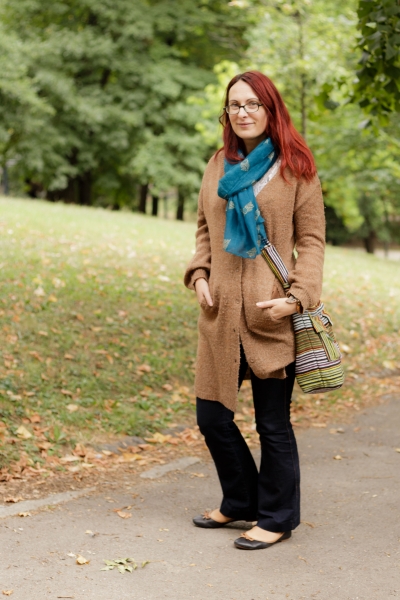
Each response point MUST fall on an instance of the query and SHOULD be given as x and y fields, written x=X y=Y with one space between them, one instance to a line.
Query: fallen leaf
x=389 y=364
x=337 y=457
x=66 y=392
x=68 y=357
x=72 y=407
x=308 y=523
x=7 y=592
x=39 y=292
x=345 y=348
x=13 y=499
x=397 y=449
x=52 y=298
x=71 y=554
x=318 y=425
x=197 y=474
x=43 y=333
x=35 y=418
x=81 y=560
x=23 y=433
x=69 y=458
x=24 y=514
x=144 y=368
x=158 y=438
x=121 y=564
x=168 y=387
x=123 y=515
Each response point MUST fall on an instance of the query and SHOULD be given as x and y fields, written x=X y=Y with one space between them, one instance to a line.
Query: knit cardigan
x=294 y=215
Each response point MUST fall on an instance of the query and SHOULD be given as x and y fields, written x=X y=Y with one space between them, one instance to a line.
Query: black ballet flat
x=207 y=522
x=244 y=542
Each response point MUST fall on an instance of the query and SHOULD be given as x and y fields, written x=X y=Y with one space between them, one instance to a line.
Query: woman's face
x=251 y=127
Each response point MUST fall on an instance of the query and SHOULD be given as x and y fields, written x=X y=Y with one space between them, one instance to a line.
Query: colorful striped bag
x=318 y=358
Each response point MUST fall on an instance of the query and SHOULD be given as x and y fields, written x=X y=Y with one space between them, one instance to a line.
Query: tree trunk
x=85 y=189
x=370 y=242
x=6 y=187
x=143 y=197
x=181 y=205
x=154 y=206
x=303 y=80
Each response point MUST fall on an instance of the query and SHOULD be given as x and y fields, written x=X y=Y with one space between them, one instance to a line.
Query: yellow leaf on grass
x=66 y=392
x=81 y=560
x=72 y=407
x=389 y=364
x=52 y=298
x=23 y=433
x=168 y=387
x=345 y=348
x=144 y=368
x=39 y=292
x=68 y=357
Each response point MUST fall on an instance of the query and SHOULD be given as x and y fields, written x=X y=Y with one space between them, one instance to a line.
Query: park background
x=109 y=110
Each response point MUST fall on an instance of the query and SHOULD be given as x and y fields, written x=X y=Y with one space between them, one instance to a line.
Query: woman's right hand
x=203 y=291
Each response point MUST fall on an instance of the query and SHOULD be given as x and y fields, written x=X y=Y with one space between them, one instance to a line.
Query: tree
x=377 y=90
x=112 y=71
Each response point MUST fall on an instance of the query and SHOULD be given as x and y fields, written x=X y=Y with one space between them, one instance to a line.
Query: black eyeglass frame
x=226 y=108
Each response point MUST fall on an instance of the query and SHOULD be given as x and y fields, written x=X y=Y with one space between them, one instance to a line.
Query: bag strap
x=275 y=263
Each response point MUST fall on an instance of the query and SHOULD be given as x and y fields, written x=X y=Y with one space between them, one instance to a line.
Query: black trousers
x=271 y=496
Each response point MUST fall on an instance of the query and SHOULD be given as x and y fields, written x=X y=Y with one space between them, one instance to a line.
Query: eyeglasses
x=250 y=107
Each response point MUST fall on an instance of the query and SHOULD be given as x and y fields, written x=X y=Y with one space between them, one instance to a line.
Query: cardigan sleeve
x=309 y=225
x=200 y=264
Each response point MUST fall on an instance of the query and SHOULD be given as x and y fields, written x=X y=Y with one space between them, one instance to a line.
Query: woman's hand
x=279 y=308
x=203 y=291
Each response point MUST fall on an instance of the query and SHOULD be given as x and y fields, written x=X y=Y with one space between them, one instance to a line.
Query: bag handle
x=275 y=263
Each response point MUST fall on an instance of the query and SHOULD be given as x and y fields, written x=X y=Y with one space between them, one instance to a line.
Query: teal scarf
x=244 y=228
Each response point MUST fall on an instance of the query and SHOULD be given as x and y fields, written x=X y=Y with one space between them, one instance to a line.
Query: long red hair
x=293 y=150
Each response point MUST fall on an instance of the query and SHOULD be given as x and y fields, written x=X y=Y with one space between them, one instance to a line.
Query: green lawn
x=96 y=320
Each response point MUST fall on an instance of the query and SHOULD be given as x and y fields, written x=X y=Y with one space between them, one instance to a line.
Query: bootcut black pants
x=270 y=496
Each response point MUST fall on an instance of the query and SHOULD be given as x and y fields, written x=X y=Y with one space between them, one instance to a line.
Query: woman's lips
x=245 y=125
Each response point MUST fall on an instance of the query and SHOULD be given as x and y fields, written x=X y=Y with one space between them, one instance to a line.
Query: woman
x=263 y=181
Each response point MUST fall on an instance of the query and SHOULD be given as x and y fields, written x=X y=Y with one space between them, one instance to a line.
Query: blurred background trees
x=116 y=103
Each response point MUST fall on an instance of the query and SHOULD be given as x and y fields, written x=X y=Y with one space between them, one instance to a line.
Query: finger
x=266 y=304
x=207 y=297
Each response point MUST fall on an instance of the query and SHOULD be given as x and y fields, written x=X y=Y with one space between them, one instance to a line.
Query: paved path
x=346 y=548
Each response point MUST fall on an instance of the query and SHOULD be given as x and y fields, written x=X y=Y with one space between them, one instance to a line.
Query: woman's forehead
x=241 y=91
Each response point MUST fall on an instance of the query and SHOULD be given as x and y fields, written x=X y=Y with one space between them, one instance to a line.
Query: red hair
x=293 y=150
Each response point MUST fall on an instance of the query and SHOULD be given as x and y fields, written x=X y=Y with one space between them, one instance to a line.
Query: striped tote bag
x=318 y=358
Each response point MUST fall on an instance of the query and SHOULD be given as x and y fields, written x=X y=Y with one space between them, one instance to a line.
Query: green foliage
x=115 y=76
x=377 y=90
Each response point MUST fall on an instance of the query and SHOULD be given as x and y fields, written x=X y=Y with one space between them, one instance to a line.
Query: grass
x=99 y=333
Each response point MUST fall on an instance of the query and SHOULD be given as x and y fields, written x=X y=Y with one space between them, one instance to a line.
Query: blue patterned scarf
x=244 y=228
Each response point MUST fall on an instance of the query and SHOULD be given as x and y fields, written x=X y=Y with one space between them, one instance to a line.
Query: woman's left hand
x=279 y=308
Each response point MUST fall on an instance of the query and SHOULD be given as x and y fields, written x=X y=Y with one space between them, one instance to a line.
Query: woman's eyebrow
x=248 y=100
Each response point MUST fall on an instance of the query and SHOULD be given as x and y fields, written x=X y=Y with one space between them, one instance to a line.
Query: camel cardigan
x=294 y=215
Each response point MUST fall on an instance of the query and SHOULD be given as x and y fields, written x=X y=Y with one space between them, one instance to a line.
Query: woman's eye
x=252 y=104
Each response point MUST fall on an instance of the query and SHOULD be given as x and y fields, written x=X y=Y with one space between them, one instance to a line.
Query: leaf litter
x=123 y=565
